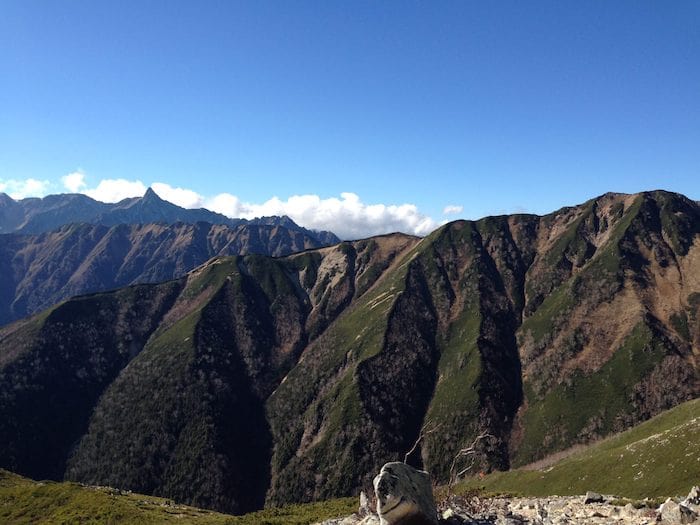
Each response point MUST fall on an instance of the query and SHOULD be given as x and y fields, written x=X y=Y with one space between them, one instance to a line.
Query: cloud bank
x=180 y=196
x=347 y=215
x=21 y=189
x=115 y=190
x=74 y=182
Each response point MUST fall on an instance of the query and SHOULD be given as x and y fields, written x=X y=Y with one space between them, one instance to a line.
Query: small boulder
x=404 y=496
x=593 y=497
x=630 y=511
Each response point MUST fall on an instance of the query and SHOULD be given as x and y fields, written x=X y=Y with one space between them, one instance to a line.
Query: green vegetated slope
x=658 y=458
x=54 y=368
x=264 y=381
x=23 y=501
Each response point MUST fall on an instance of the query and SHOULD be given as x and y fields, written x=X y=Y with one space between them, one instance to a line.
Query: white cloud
x=20 y=189
x=347 y=216
x=180 y=196
x=74 y=182
x=452 y=209
x=114 y=190
x=225 y=203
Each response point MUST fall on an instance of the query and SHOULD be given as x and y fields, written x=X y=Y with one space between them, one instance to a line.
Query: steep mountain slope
x=40 y=215
x=292 y=379
x=47 y=268
x=54 y=367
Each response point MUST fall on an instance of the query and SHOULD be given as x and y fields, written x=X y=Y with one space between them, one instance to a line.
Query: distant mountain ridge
x=255 y=380
x=39 y=215
x=75 y=259
x=70 y=244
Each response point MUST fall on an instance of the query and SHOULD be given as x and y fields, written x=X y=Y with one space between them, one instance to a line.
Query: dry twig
x=465 y=452
x=427 y=428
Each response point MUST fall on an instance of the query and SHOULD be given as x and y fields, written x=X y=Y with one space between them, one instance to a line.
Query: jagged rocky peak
x=151 y=195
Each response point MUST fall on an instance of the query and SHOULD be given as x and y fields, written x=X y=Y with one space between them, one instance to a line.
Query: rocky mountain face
x=41 y=215
x=254 y=380
x=44 y=269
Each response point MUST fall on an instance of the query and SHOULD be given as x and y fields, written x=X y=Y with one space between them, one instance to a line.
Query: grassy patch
x=212 y=276
x=26 y=501
x=455 y=403
x=659 y=458
x=459 y=368
x=555 y=306
x=270 y=275
x=679 y=321
x=298 y=514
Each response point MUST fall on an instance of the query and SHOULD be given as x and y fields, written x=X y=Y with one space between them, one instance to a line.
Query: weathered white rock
x=674 y=512
x=364 y=509
x=404 y=496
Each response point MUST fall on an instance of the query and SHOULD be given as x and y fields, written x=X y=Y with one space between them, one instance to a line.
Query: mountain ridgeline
x=39 y=215
x=74 y=259
x=64 y=245
x=253 y=380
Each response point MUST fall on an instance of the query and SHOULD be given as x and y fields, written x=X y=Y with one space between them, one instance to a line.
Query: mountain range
x=78 y=245
x=39 y=215
x=256 y=381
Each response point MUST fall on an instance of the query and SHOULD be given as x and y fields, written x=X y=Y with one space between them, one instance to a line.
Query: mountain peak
x=151 y=196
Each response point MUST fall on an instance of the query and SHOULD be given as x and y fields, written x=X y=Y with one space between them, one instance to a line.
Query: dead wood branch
x=427 y=428
x=466 y=452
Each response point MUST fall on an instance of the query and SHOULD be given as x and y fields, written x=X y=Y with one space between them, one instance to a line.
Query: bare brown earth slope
x=254 y=380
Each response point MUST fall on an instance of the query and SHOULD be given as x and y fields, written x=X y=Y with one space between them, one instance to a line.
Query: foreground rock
x=404 y=496
x=683 y=511
x=555 y=510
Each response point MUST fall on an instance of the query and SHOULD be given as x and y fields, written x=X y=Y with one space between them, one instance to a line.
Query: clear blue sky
x=493 y=106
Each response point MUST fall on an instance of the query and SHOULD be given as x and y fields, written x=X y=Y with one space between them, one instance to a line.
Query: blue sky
x=381 y=113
